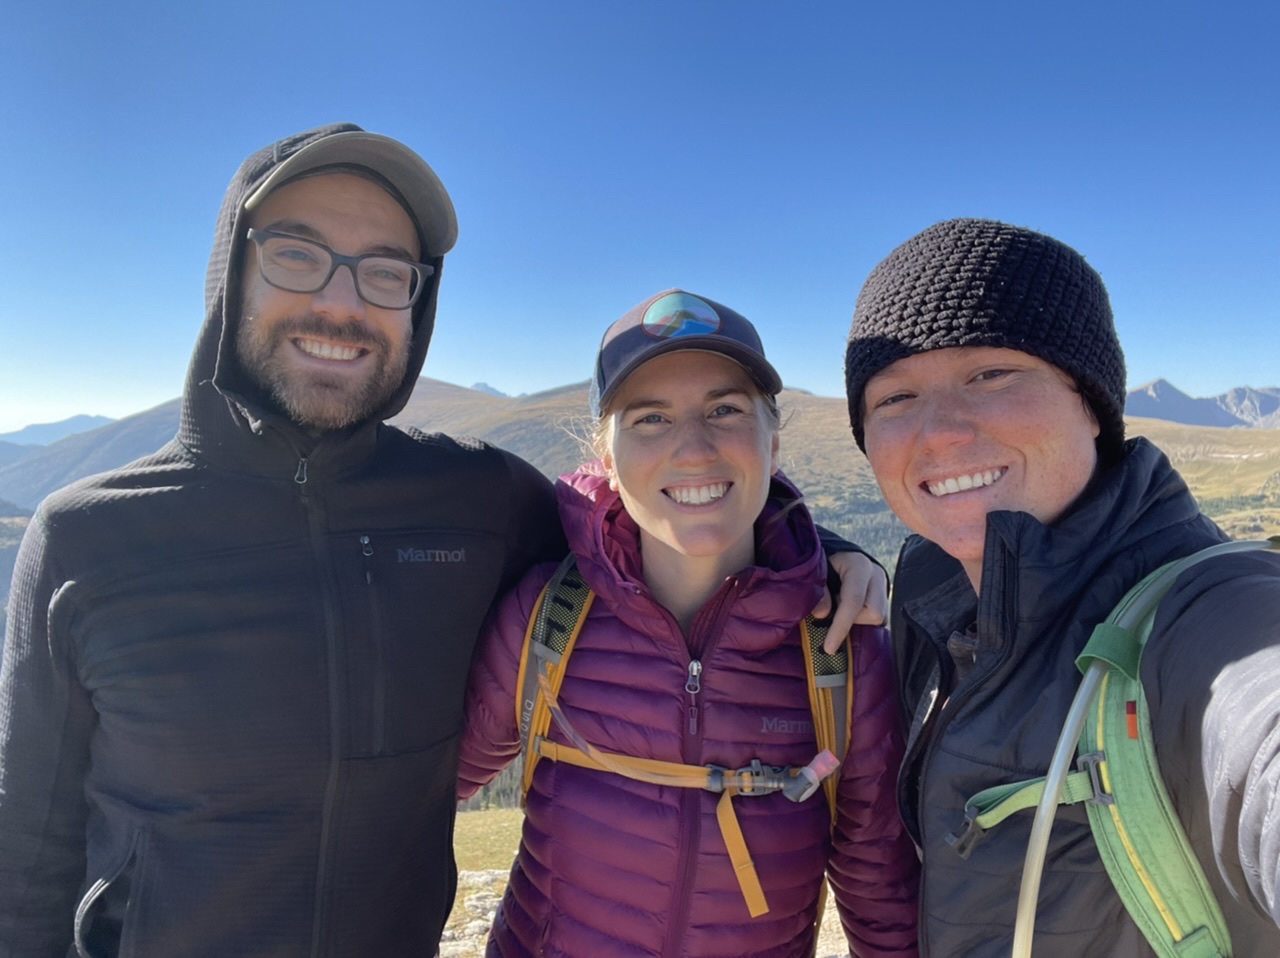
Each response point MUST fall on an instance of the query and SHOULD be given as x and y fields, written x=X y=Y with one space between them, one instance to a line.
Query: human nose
x=339 y=298
x=694 y=442
x=945 y=420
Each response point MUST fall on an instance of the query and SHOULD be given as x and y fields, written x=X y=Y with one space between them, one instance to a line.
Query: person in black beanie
x=986 y=386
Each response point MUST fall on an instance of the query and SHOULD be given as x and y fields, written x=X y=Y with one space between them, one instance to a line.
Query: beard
x=313 y=399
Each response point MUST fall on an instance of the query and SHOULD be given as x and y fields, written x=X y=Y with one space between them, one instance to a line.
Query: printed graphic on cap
x=679 y=314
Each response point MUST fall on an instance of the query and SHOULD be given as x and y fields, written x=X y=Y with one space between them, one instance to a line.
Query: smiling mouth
x=697 y=495
x=976 y=480
x=332 y=351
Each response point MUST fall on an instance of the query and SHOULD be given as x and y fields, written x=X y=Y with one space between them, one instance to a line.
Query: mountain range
x=1242 y=406
x=1234 y=472
x=41 y=434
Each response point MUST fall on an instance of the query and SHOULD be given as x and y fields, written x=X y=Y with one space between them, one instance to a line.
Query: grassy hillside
x=1234 y=473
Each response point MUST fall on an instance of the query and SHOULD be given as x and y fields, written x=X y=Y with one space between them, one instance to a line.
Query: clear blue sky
x=764 y=154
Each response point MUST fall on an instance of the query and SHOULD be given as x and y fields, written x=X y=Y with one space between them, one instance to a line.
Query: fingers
x=823 y=608
x=864 y=596
x=841 y=623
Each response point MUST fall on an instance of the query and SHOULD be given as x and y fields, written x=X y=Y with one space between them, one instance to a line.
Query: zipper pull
x=300 y=477
x=366 y=550
x=693 y=685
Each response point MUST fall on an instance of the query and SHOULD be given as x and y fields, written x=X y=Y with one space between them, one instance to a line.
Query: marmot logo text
x=431 y=555
x=784 y=725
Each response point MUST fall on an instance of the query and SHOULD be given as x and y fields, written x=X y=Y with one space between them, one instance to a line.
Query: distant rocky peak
x=1242 y=406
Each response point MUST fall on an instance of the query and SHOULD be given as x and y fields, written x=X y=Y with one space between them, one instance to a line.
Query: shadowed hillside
x=31 y=478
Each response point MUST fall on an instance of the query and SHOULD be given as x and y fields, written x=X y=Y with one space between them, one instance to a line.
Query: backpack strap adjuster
x=750 y=781
x=970 y=834
x=1089 y=763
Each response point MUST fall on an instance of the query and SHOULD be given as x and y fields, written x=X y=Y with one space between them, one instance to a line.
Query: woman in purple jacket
x=703 y=561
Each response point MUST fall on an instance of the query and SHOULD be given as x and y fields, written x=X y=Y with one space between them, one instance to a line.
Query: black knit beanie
x=972 y=282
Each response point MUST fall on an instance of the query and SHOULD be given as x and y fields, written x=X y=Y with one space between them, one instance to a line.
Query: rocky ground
x=480 y=891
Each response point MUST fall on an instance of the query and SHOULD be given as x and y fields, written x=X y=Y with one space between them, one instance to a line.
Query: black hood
x=218 y=396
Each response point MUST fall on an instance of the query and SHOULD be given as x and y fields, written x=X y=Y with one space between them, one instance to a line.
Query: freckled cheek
x=887 y=456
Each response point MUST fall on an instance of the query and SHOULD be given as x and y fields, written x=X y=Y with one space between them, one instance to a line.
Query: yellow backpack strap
x=830 y=698
x=553 y=629
x=831 y=701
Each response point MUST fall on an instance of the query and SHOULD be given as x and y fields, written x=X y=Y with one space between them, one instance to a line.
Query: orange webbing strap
x=553 y=629
x=830 y=698
x=679 y=776
x=744 y=868
x=640 y=769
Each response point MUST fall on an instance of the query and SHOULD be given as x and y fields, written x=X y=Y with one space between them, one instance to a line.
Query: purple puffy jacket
x=610 y=866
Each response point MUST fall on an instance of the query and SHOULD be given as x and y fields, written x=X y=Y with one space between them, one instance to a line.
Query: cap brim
x=404 y=169
x=758 y=368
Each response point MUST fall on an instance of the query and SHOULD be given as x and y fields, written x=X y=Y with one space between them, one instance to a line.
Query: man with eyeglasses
x=232 y=688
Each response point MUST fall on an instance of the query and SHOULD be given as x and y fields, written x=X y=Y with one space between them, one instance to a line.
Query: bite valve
x=808 y=778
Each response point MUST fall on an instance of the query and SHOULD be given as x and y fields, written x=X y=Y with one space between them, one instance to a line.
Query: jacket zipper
x=379 y=651
x=316 y=535
x=693 y=685
x=943 y=717
x=706 y=630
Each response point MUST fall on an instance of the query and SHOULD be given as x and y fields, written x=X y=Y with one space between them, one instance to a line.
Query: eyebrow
x=303 y=231
x=718 y=393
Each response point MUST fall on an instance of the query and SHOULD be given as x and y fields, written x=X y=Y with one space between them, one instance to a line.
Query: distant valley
x=1234 y=472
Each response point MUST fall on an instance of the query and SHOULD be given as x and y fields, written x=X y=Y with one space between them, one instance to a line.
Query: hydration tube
x=1038 y=843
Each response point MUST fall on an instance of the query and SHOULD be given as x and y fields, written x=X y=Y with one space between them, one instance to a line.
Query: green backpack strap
x=1139 y=836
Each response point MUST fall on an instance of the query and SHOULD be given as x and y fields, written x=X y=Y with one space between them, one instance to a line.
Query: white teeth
x=698 y=495
x=960 y=483
x=327 y=350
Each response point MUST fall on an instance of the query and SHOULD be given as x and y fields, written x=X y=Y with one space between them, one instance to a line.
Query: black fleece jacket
x=989 y=679
x=232 y=688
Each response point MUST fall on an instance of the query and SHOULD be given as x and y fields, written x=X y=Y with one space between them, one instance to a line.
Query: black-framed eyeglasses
x=299 y=265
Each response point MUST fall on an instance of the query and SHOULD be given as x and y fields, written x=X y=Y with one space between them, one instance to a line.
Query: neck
x=683 y=583
x=973 y=569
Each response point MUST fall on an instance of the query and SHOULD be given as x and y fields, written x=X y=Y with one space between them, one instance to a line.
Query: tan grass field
x=487 y=840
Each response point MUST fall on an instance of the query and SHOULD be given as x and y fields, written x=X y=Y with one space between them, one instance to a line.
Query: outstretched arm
x=1212 y=676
